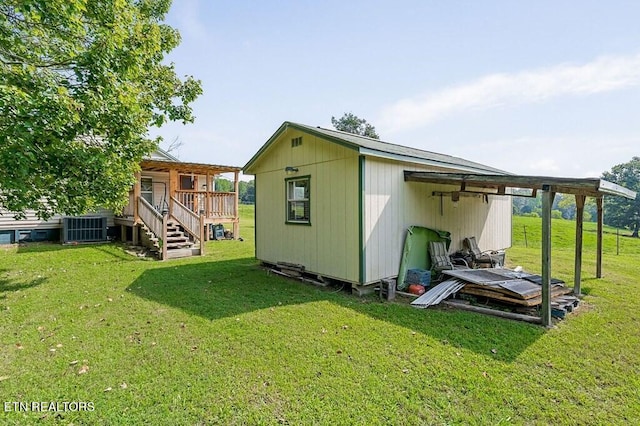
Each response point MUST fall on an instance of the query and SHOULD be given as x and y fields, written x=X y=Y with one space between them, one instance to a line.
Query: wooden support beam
x=165 y=219
x=236 y=203
x=577 y=272
x=196 y=198
x=136 y=195
x=203 y=232
x=207 y=198
x=173 y=182
x=599 y=240
x=547 y=202
x=495 y=312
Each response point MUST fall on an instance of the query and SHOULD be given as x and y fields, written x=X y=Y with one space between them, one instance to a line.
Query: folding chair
x=479 y=257
x=440 y=260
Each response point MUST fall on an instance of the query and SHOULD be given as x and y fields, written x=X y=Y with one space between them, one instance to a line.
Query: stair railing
x=155 y=221
x=191 y=222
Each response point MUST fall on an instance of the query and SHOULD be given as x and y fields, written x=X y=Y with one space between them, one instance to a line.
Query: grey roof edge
x=615 y=189
x=166 y=154
x=375 y=147
x=247 y=167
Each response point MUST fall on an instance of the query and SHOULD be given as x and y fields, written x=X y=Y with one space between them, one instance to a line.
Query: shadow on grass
x=11 y=285
x=113 y=249
x=223 y=289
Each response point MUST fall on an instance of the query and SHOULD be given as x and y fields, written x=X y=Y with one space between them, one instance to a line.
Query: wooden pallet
x=502 y=296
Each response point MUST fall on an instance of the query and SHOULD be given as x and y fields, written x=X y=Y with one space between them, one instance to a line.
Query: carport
x=503 y=185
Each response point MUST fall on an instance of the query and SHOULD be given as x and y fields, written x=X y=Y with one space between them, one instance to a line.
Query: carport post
x=547 y=202
x=599 y=237
x=577 y=275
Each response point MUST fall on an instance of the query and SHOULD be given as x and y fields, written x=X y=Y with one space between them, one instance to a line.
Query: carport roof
x=580 y=187
x=592 y=187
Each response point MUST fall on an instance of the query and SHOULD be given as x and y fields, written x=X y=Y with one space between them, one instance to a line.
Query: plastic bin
x=217 y=232
x=418 y=276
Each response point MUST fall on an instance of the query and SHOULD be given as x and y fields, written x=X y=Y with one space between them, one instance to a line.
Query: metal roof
x=376 y=148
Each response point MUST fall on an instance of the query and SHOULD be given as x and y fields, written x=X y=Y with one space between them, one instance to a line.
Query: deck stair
x=179 y=244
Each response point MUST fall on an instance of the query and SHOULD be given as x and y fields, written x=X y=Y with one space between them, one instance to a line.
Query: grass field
x=216 y=340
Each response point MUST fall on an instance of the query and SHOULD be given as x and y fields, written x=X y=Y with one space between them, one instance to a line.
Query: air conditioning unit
x=84 y=229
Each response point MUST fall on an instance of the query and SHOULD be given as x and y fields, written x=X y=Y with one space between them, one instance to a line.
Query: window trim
x=193 y=178
x=287 y=201
x=150 y=192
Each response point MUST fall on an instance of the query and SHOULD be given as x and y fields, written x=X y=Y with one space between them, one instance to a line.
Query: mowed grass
x=217 y=340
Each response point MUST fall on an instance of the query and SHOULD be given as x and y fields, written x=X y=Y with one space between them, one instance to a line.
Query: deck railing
x=211 y=204
x=150 y=216
x=191 y=222
x=155 y=221
x=187 y=218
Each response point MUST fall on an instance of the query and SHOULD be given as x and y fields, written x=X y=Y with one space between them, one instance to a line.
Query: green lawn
x=216 y=340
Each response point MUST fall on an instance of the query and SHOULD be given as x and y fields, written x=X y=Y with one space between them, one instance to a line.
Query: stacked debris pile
x=518 y=289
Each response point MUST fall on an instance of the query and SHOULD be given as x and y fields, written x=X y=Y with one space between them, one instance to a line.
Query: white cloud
x=604 y=74
x=572 y=156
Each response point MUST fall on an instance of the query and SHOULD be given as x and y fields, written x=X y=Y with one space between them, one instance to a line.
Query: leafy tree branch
x=81 y=81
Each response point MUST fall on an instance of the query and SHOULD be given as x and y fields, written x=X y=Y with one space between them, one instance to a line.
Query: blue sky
x=542 y=88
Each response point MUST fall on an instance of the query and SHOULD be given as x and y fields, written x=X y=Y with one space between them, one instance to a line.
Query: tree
x=352 y=124
x=248 y=192
x=80 y=83
x=223 y=185
x=622 y=212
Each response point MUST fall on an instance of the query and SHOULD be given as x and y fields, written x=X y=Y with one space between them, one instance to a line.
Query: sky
x=547 y=88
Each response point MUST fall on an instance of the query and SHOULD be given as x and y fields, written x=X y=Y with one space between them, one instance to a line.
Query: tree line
x=619 y=212
x=246 y=190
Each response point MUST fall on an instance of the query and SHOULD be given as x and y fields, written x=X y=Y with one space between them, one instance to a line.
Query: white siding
x=392 y=205
x=7 y=221
x=160 y=187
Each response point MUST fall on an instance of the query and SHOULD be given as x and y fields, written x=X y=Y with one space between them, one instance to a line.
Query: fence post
x=525 y=235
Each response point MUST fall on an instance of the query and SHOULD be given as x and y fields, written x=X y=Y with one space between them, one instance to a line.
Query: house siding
x=328 y=246
x=160 y=182
x=391 y=205
x=7 y=221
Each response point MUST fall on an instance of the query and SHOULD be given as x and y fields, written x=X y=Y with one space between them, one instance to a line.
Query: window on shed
x=299 y=200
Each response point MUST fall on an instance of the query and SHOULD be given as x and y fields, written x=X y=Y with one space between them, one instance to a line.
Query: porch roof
x=156 y=165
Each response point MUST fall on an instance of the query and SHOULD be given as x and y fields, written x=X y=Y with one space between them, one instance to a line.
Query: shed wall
x=391 y=205
x=329 y=245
